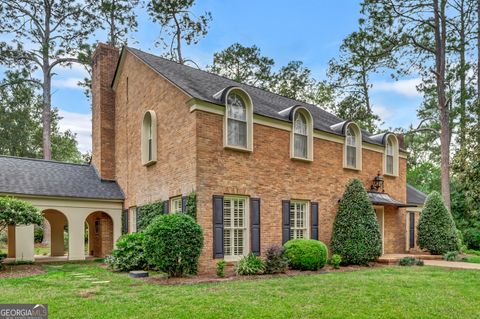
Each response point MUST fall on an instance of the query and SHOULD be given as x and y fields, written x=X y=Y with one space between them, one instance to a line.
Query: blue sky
x=310 y=31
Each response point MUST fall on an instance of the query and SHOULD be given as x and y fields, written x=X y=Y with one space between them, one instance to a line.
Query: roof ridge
x=43 y=160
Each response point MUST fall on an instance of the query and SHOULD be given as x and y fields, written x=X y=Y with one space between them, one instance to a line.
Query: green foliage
x=473 y=259
x=147 y=213
x=173 y=244
x=471 y=237
x=306 y=254
x=424 y=176
x=129 y=254
x=249 y=265
x=191 y=206
x=2 y=257
x=410 y=261
x=450 y=256
x=472 y=252
x=38 y=234
x=221 y=268
x=436 y=228
x=275 y=260
x=335 y=261
x=293 y=81
x=18 y=212
x=356 y=233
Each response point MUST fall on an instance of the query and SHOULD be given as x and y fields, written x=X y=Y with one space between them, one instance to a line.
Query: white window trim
x=133 y=219
x=307 y=217
x=144 y=139
x=246 y=248
x=171 y=206
x=395 y=155
x=249 y=113
x=358 y=147
x=309 y=119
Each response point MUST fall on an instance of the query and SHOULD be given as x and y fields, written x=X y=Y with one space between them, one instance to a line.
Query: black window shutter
x=184 y=204
x=165 y=207
x=285 y=221
x=125 y=221
x=314 y=219
x=217 y=226
x=255 y=225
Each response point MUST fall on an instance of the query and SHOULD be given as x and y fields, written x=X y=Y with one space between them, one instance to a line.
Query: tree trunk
x=477 y=111
x=113 y=40
x=46 y=113
x=179 y=41
x=463 y=76
x=440 y=61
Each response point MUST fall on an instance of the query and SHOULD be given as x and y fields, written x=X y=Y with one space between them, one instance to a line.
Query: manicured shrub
x=450 y=256
x=18 y=212
x=147 y=213
x=356 y=233
x=275 y=260
x=335 y=261
x=129 y=254
x=471 y=238
x=407 y=261
x=249 y=265
x=436 y=229
x=173 y=244
x=306 y=254
x=221 y=268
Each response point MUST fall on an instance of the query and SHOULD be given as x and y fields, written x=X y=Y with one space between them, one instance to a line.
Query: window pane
x=227 y=242
x=351 y=156
x=236 y=107
x=389 y=147
x=351 y=138
x=300 y=124
x=300 y=146
x=237 y=133
x=234 y=210
x=389 y=164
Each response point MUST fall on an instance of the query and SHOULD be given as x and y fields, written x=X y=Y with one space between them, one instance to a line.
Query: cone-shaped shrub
x=436 y=229
x=356 y=234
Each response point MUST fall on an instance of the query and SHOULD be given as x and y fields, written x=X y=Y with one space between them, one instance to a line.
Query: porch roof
x=385 y=199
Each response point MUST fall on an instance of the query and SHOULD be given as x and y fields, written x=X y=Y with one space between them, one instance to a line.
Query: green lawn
x=393 y=292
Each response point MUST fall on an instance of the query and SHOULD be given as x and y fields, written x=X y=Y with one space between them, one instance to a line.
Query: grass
x=473 y=259
x=393 y=292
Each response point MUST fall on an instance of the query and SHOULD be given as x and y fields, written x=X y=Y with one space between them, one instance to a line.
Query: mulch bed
x=17 y=271
x=230 y=275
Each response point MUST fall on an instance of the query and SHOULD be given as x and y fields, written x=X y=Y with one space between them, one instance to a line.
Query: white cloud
x=80 y=124
x=385 y=113
x=70 y=83
x=403 y=87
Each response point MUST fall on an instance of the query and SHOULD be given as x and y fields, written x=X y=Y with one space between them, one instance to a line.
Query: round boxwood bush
x=129 y=254
x=356 y=233
x=436 y=229
x=173 y=244
x=306 y=254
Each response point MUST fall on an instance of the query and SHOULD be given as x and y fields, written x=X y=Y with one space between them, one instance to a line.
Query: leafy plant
x=306 y=254
x=221 y=268
x=38 y=234
x=450 y=256
x=191 y=205
x=129 y=254
x=147 y=213
x=472 y=252
x=335 y=261
x=2 y=257
x=471 y=237
x=356 y=233
x=436 y=229
x=249 y=265
x=18 y=212
x=173 y=244
x=419 y=262
x=275 y=260
x=407 y=261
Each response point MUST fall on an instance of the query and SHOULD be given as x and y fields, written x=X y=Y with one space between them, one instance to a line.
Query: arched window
x=353 y=147
x=302 y=134
x=391 y=155
x=239 y=119
x=149 y=138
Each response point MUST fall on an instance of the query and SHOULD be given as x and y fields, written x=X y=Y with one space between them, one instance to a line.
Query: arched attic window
x=302 y=134
x=149 y=138
x=238 y=120
x=353 y=147
x=391 y=155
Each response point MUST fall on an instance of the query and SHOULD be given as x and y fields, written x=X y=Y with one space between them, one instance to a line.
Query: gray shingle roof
x=206 y=86
x=414 y=196
x=384 y=199
x=49 y=178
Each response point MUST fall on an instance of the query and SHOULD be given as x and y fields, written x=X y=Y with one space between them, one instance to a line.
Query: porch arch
x=58 y=222
x=100 y=234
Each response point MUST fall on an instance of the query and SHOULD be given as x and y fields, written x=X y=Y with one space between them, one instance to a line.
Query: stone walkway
x=451 y=264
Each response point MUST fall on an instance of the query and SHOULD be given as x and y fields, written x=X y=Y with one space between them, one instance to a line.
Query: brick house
x=265 y=168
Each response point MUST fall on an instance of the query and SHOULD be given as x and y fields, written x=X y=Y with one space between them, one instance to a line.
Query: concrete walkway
x=451 y=264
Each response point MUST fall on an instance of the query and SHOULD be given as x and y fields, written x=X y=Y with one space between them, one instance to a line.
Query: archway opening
x=99 y=234
x=58 y=234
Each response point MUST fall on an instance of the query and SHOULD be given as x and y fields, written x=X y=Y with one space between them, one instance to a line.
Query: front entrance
x=379 y=212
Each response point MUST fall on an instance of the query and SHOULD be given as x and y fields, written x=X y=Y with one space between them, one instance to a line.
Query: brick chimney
x=105 y=60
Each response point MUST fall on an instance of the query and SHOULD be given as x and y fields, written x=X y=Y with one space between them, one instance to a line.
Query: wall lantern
x=377 y=185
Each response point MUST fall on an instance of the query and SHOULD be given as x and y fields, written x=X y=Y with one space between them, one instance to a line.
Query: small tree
x=436 y=229
x=18 y=212
x=356 y=233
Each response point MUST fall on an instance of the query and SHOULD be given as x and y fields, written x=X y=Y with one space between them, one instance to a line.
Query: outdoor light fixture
x=377 y=184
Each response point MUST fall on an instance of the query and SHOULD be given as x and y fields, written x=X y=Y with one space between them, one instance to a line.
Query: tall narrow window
x=300 y=131
x=298 y=219
x=236 y=121
x=390 y=157
x=351 y=148
x=133 y=219
x=149 y=138
x=176 y=205
x=235 y=226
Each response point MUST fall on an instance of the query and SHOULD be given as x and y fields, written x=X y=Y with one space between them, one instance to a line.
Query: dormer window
x=353 y=147
x=302 y=135
x=391 y=155
x=238 y=120
x=149 y=138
